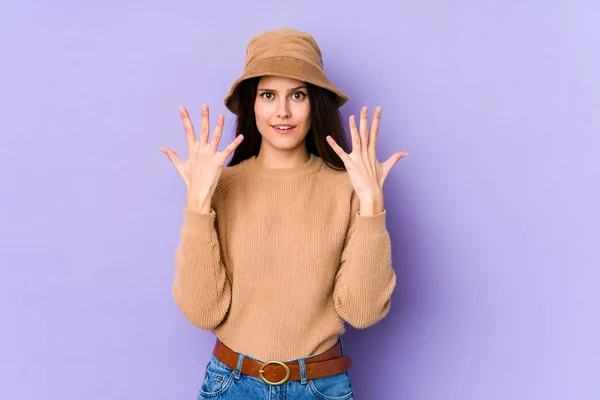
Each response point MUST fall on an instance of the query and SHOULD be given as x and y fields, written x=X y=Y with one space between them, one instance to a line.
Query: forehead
x=276 y=82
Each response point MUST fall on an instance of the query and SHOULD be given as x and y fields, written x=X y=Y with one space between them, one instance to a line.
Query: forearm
x=366 y=280
x=201 y=287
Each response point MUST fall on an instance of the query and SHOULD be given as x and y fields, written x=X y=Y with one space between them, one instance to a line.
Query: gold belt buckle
x=262 y=370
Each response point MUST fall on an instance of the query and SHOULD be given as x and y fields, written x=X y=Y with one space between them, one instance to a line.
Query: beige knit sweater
x=282 y=261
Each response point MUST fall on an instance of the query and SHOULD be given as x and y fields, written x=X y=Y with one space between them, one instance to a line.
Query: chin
x=280 y=144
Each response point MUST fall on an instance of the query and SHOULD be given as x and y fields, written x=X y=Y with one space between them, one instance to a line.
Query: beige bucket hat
x=284 y=52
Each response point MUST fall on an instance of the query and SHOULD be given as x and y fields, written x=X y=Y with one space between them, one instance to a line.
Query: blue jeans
x=223 y=382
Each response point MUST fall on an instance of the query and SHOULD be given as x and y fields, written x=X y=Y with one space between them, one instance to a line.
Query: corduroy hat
x=285 y=53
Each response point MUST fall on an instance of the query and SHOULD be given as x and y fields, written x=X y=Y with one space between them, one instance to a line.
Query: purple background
x=494 y=215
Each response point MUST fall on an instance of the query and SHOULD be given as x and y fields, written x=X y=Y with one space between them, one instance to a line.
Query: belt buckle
x=262 y=370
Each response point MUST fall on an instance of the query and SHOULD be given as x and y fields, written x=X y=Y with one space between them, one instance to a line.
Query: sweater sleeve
x=201 y=288
x=365 y=280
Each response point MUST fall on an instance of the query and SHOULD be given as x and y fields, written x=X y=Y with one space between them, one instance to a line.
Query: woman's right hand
x=202 y=169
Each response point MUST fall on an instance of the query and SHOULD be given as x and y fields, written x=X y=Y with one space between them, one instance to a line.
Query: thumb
x=390 y=162
x=175 y=159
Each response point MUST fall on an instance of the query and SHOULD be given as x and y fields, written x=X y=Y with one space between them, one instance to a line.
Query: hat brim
x=285 y=67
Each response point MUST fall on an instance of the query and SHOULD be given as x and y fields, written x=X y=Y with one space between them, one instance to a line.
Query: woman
x=289 y=241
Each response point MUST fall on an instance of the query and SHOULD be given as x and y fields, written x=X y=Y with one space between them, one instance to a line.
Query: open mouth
x=283 y=129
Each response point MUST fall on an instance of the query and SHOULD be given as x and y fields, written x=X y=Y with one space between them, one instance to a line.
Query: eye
x=298 y=95
x=266 y=94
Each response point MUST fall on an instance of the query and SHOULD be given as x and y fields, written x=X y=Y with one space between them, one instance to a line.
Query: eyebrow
x=289 y=90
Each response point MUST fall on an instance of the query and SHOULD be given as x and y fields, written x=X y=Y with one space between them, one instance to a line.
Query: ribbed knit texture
x=282 y=261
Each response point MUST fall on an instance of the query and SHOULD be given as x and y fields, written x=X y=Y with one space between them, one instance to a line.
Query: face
x=282 y=112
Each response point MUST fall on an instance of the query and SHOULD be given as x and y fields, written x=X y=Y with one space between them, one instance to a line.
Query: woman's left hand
x=366 y=173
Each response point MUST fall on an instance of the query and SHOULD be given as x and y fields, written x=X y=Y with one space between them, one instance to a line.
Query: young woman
x=289 y=241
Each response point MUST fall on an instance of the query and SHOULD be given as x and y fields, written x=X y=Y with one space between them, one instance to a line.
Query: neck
x=312 y=166
x=282 y=159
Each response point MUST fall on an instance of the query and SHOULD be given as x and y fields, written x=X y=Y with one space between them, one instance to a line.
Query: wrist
x=202 y=206
x=371 y=206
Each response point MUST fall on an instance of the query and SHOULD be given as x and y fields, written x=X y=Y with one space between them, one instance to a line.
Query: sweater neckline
x=313 y=165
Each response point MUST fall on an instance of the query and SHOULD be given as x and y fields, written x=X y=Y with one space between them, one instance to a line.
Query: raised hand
x=366 y=173
x=202 y=169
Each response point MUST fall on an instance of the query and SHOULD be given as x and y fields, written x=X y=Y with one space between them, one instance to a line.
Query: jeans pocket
x=335 y=387
x=218 y=377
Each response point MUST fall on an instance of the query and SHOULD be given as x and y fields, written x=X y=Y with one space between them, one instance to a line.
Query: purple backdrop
x=493 y=216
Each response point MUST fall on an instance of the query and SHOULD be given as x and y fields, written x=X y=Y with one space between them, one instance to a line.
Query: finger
x=205 y=126
x=374 y=134
x=339 y=151
x=232 y=146
x=216 y=137
x=190 y=136
x=175 y=159
x=390 y=162
x=363 y=129
x=354 y=134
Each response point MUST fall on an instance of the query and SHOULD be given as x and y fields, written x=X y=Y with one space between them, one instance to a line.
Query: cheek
x=301 y=112
x=260 y=115
x=305 y=115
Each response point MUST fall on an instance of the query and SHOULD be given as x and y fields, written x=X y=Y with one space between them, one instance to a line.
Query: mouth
x=283 y=129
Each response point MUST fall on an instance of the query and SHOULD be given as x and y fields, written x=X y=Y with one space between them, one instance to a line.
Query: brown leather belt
x=328 y=363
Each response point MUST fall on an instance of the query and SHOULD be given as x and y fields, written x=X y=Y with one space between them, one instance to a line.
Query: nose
x=283 y=109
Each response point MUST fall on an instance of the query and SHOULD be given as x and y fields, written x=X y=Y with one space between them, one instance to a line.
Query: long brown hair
x=325 y=120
